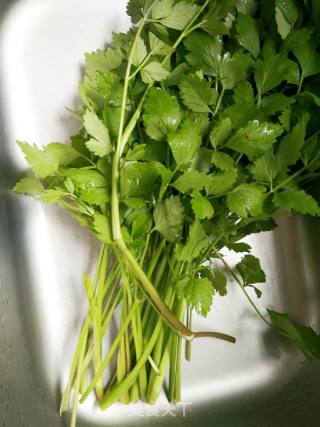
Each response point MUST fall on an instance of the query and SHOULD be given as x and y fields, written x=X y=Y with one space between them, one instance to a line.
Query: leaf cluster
x=227 y=135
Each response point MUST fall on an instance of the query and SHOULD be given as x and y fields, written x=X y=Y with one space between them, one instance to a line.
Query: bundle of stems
x=197 y=126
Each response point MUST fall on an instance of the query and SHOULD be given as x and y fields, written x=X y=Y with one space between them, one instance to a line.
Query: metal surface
x=259 y=382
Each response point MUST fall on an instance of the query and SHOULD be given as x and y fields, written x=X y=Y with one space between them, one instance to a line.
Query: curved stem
x=152 y=293
x=217 y=335
x=123 y=136
x=242 y=287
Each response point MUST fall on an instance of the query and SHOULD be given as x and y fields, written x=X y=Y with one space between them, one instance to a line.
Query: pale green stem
x=111 y=351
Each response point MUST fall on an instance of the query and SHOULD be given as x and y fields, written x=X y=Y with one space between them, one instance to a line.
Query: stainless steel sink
x=261 y=381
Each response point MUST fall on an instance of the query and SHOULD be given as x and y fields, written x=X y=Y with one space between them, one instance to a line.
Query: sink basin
x=259 y=382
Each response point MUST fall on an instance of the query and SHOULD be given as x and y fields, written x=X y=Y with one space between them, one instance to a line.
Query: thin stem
x=153 y=295
x=111 y=351
x=81 y=344
x=217 y=335
x=143 y=63
x=107 y=315
x=188 y=343
x=289 y=179
x=122 y=363
x=78 y=378
x=300 y=83
x=164 y=189
x=156 y=386
x=218 y=103
x=116 y=228
x=186 y=30
x=97 y=319
x=114 y=394
x=232 y=273
x=153 y=365
x=299 y=172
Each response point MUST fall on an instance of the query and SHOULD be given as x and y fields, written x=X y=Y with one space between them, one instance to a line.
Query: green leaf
x=272 y=70
x=85 y=178
x=165 y=173
x=239 y=247
x=297 y=38
x=95 y=196
x=53 y=156
x=250 y=270
x=221 y=182
x=102 y=228
x=290 y=146
x=158 y=47
x=289 y=10
x=275 y=103
x=285 y=119
x=253 y=227
x=109 y=86
x=139 y=179
x=204 y=52
x=202 y=161
x=69 y=185
x=255 y=138
x=169 y=217
x=100 y=144
x=197 y=94
x=162 y=113
x=309 y=59
x=284 y=28
x=248 y=34
x=28 y=185
x=191 y=181
x=298 y=201
x=233 y=69
x=97 y=147
x=201 y=206
x=198 y=293
x=62 y=153
x=244 y=109
x=222 y=161
x=304 y=337
x=310 y=153
x=134 y=202
x=196 y=242
x=246 y=199
x=220 y=132
x=265 y=169
x=41 y=162
x=101 y=60
x=123 y=41
x=150 y=151
x=247 y=6
x=52 y=196
x=185 y=143
x=219 y=282
x=142 y=224
x=136 y=9
x=92 y=186
x=220 y=9
x=139 y=52
x=154 y=72
x=177 y=74
x=174 y=14
x=214 y=27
